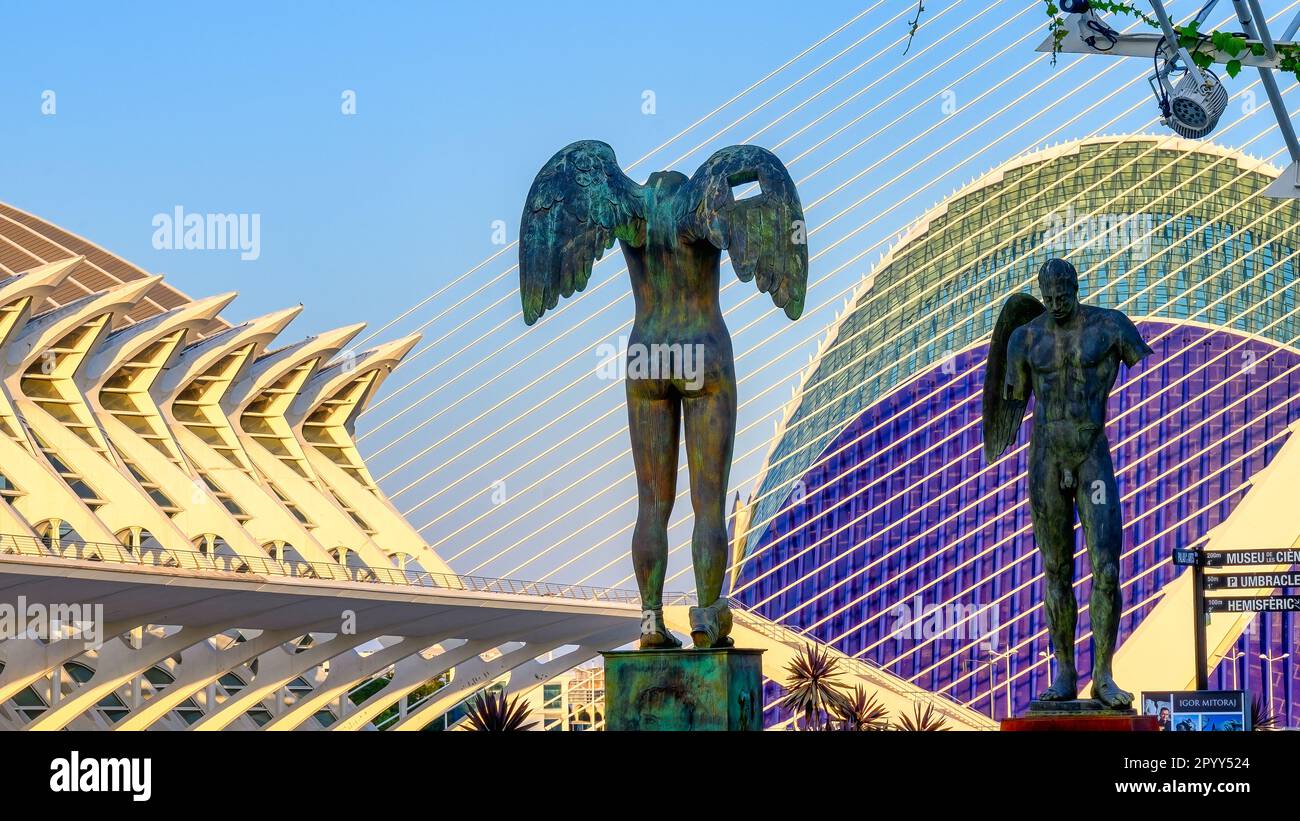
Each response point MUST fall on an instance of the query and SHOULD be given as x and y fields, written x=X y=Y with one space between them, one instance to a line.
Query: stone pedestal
x=1079 y=715
x=720 y=689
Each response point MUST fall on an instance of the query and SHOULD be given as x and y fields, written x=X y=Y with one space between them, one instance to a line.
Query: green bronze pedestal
x=714 y=689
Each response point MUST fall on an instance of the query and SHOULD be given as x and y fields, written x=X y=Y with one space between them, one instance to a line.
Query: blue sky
x=238 y=109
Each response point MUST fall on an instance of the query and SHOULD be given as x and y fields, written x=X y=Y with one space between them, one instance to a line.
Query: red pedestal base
x=1081 y=723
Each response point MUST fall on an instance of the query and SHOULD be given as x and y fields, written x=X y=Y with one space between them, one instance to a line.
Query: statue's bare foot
x=655 y=634
x=1065 y=687
x=711 y=626
x=1105 y=690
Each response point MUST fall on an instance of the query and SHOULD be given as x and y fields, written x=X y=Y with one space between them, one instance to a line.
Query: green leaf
x=1189 y=39
x=1228 y=43
x=1257 y=49
x=1233 y=68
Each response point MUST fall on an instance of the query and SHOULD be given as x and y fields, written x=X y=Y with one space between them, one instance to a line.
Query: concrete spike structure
x=323 y=415
x=203 y=488
x=194 y=393
x=38 y=366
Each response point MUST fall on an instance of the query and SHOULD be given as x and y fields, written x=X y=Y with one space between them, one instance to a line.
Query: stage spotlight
x=1193 y=109
x=1074 y=6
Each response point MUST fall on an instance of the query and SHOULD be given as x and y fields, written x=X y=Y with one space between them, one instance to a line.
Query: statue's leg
x=654 y=420
x=1103 y=530
x=1052 y=511
x=710 y=435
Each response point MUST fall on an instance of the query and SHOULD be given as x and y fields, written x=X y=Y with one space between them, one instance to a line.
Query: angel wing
x=579 y=204
x=1002 y=415
x=765 y=233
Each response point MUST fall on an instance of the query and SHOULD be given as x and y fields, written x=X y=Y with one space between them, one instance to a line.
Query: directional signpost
x=1249 y=581
x=1253 y=604
x=1279 y=602
x=1244 y=558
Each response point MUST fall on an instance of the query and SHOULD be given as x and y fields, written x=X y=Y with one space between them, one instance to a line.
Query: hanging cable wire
x=752 y=349
x=863 y=39
x=500 y=453
x=820 y=227
x=631 y=499
x=679 y=572
x=425 y=301
x=618 y=300
x=591 y=315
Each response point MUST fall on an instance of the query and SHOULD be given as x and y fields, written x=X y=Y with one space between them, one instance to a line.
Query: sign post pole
x=1198 y=558
x=1199 y=615
x=1195 y=558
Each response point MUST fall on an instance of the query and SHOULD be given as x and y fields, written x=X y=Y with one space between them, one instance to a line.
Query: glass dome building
x=877 y=526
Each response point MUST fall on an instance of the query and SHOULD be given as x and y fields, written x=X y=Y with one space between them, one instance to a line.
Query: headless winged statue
x=1067 y=356
x=672 y=231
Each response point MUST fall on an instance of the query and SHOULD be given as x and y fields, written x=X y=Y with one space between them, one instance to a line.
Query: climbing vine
x=914 y=24
x=1190 y=37
x=1056 y=24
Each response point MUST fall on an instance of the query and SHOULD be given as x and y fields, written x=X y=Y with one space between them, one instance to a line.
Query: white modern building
x=189 y=538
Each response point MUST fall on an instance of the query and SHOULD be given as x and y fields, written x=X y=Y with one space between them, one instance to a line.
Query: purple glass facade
x=899 y=515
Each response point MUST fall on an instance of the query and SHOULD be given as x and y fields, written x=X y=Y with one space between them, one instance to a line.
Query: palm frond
x=1261 y=720
x=863 y=713
x=494 y=713
x=813 y=690
x=923 y=721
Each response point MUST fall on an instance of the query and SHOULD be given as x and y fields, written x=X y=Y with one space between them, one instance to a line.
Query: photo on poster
x=1199 y=711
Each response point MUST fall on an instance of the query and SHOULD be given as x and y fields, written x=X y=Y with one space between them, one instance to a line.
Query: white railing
x=241 y=565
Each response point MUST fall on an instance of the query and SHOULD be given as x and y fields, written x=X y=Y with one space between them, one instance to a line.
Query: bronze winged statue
x=672 y=230
x=1067 y=356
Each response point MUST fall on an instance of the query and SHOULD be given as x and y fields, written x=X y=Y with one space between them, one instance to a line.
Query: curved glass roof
x=1157 y=226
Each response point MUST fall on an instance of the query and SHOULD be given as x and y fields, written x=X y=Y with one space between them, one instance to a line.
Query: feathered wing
x=1002 y=415
x=579 y=204
x=764 y=234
